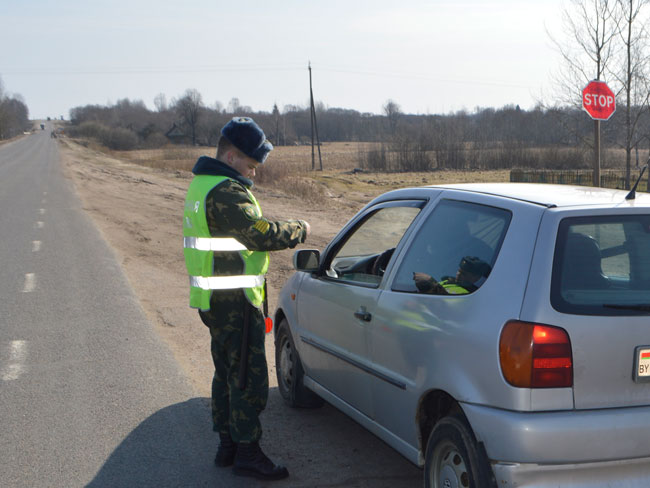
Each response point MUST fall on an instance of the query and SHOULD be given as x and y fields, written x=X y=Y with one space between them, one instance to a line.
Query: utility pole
x=314 y=126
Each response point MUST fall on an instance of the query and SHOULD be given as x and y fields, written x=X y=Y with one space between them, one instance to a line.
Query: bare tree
x=160 y=102
x=234 y=105
x=276 y=122
x=587 y=47
x=3 y=111
x=633 y=74
x=188 y=107
x=393 y=112
x=14 y=115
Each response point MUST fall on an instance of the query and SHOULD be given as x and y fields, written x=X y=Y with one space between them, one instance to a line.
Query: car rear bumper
x=633 y=473
x=588 y=444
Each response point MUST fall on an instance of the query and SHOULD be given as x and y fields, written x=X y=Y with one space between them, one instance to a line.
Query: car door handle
x=363 y=314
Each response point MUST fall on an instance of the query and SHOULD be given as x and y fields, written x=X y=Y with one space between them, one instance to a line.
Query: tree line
x=483 y=138
x=14 y=115
x=190 y=121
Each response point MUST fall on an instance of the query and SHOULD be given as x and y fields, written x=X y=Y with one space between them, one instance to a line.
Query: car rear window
x=602 y=266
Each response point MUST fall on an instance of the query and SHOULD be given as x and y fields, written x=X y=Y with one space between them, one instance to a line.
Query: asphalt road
x=89 y=395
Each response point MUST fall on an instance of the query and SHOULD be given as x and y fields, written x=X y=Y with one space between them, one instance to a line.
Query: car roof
x=553 y=195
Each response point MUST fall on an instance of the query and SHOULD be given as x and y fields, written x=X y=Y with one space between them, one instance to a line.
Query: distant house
x=177 y=136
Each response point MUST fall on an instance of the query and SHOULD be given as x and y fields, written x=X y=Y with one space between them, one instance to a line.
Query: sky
x=430 y=57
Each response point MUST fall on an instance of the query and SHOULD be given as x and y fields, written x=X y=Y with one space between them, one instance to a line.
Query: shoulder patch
x=251 y=211
x=262 y=226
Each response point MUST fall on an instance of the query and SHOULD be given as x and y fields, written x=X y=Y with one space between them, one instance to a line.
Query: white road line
x=15 y=366
x=39 y=224
x=30 y=283
x=36 y=246
x=41 y=211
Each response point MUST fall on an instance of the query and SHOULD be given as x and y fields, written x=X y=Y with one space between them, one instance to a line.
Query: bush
x=374 y=159
x=155 y=141
x=91 y=130
x=304 y=189
x=119 y=139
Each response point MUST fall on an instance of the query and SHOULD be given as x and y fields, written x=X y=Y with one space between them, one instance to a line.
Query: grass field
x=289 y=169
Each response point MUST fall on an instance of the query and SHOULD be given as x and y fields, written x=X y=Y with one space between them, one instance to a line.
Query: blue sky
x=428 y=56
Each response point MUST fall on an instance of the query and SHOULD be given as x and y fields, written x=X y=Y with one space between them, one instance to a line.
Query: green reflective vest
x=454 y=288
x=199 y=247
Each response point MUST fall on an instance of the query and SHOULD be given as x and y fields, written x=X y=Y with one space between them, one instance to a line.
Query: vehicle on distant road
x=494 y=334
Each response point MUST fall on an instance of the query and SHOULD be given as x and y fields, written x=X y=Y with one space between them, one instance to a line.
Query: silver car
x=493 y=334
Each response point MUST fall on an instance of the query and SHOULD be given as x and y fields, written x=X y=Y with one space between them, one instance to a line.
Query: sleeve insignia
x=252 y=213
x=262 y=226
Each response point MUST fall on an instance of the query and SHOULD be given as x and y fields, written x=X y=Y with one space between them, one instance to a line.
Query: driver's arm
x=426 y=284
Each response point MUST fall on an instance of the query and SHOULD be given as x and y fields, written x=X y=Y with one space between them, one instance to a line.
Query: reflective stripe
x=226 y=282
x=213 y=244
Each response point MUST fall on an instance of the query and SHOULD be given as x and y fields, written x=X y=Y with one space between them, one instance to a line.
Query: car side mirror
x=306 y=260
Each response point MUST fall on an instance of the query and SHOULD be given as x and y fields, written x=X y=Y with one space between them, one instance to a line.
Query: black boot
x=251 y=461
x=226 y=452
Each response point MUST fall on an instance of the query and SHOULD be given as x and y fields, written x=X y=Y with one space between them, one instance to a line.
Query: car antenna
x=632 y=194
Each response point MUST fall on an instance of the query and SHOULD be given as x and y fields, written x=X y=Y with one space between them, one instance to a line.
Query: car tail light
x=535 y=356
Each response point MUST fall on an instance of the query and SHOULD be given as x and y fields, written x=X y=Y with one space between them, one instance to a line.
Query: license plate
x=642 y=364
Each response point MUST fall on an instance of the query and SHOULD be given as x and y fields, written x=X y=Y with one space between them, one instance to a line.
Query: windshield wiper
x=639 y=306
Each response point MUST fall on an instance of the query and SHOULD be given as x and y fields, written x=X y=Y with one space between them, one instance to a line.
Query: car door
x=415 y=338
x=336 y=306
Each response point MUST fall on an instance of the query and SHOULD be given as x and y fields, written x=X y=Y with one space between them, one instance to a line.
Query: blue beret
x=248 y=137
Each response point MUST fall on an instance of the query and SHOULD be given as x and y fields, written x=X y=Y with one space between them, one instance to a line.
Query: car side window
x=367 y=250
x=454 y=250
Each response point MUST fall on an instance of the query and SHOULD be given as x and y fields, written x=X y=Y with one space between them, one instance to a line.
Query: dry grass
x=289 y=170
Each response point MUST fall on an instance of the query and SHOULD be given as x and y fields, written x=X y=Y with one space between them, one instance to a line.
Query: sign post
x=599 y=102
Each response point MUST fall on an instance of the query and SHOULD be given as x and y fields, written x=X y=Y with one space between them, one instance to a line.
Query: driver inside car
x=471 y=273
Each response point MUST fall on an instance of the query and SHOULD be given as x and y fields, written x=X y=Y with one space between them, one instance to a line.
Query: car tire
x=454 y=458
x=289 y=372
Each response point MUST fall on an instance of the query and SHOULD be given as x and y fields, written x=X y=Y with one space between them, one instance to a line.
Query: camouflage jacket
x=231 y=212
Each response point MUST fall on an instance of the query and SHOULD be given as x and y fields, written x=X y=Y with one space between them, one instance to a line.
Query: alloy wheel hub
x=286 y=363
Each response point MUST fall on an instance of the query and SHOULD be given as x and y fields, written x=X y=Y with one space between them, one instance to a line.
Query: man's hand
x=426 y=284
x=423 y=282
x=307 y=228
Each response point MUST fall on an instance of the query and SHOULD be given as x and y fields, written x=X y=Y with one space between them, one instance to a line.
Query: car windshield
x=602 y=266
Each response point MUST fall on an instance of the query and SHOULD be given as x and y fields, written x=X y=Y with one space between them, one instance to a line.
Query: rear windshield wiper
x=639 y=306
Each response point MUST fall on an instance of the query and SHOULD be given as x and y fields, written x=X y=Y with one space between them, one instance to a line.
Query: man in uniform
x=471 y=271
x=226 y=244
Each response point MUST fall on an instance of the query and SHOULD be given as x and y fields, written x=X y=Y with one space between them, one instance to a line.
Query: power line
x=152 y=69
x=270 y=67
x=423 y=77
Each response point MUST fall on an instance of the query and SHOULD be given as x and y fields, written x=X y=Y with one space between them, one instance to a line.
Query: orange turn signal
x=268 y=322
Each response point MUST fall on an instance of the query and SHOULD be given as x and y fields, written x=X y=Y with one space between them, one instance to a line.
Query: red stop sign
x=598 y=100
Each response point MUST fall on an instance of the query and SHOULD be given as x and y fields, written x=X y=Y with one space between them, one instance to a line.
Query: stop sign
x=598 y=100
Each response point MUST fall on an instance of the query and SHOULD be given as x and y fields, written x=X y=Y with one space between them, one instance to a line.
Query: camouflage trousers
x=237 y=411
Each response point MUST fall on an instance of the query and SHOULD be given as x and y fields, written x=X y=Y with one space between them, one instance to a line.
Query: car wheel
x=290 y=373
x=453 y=458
